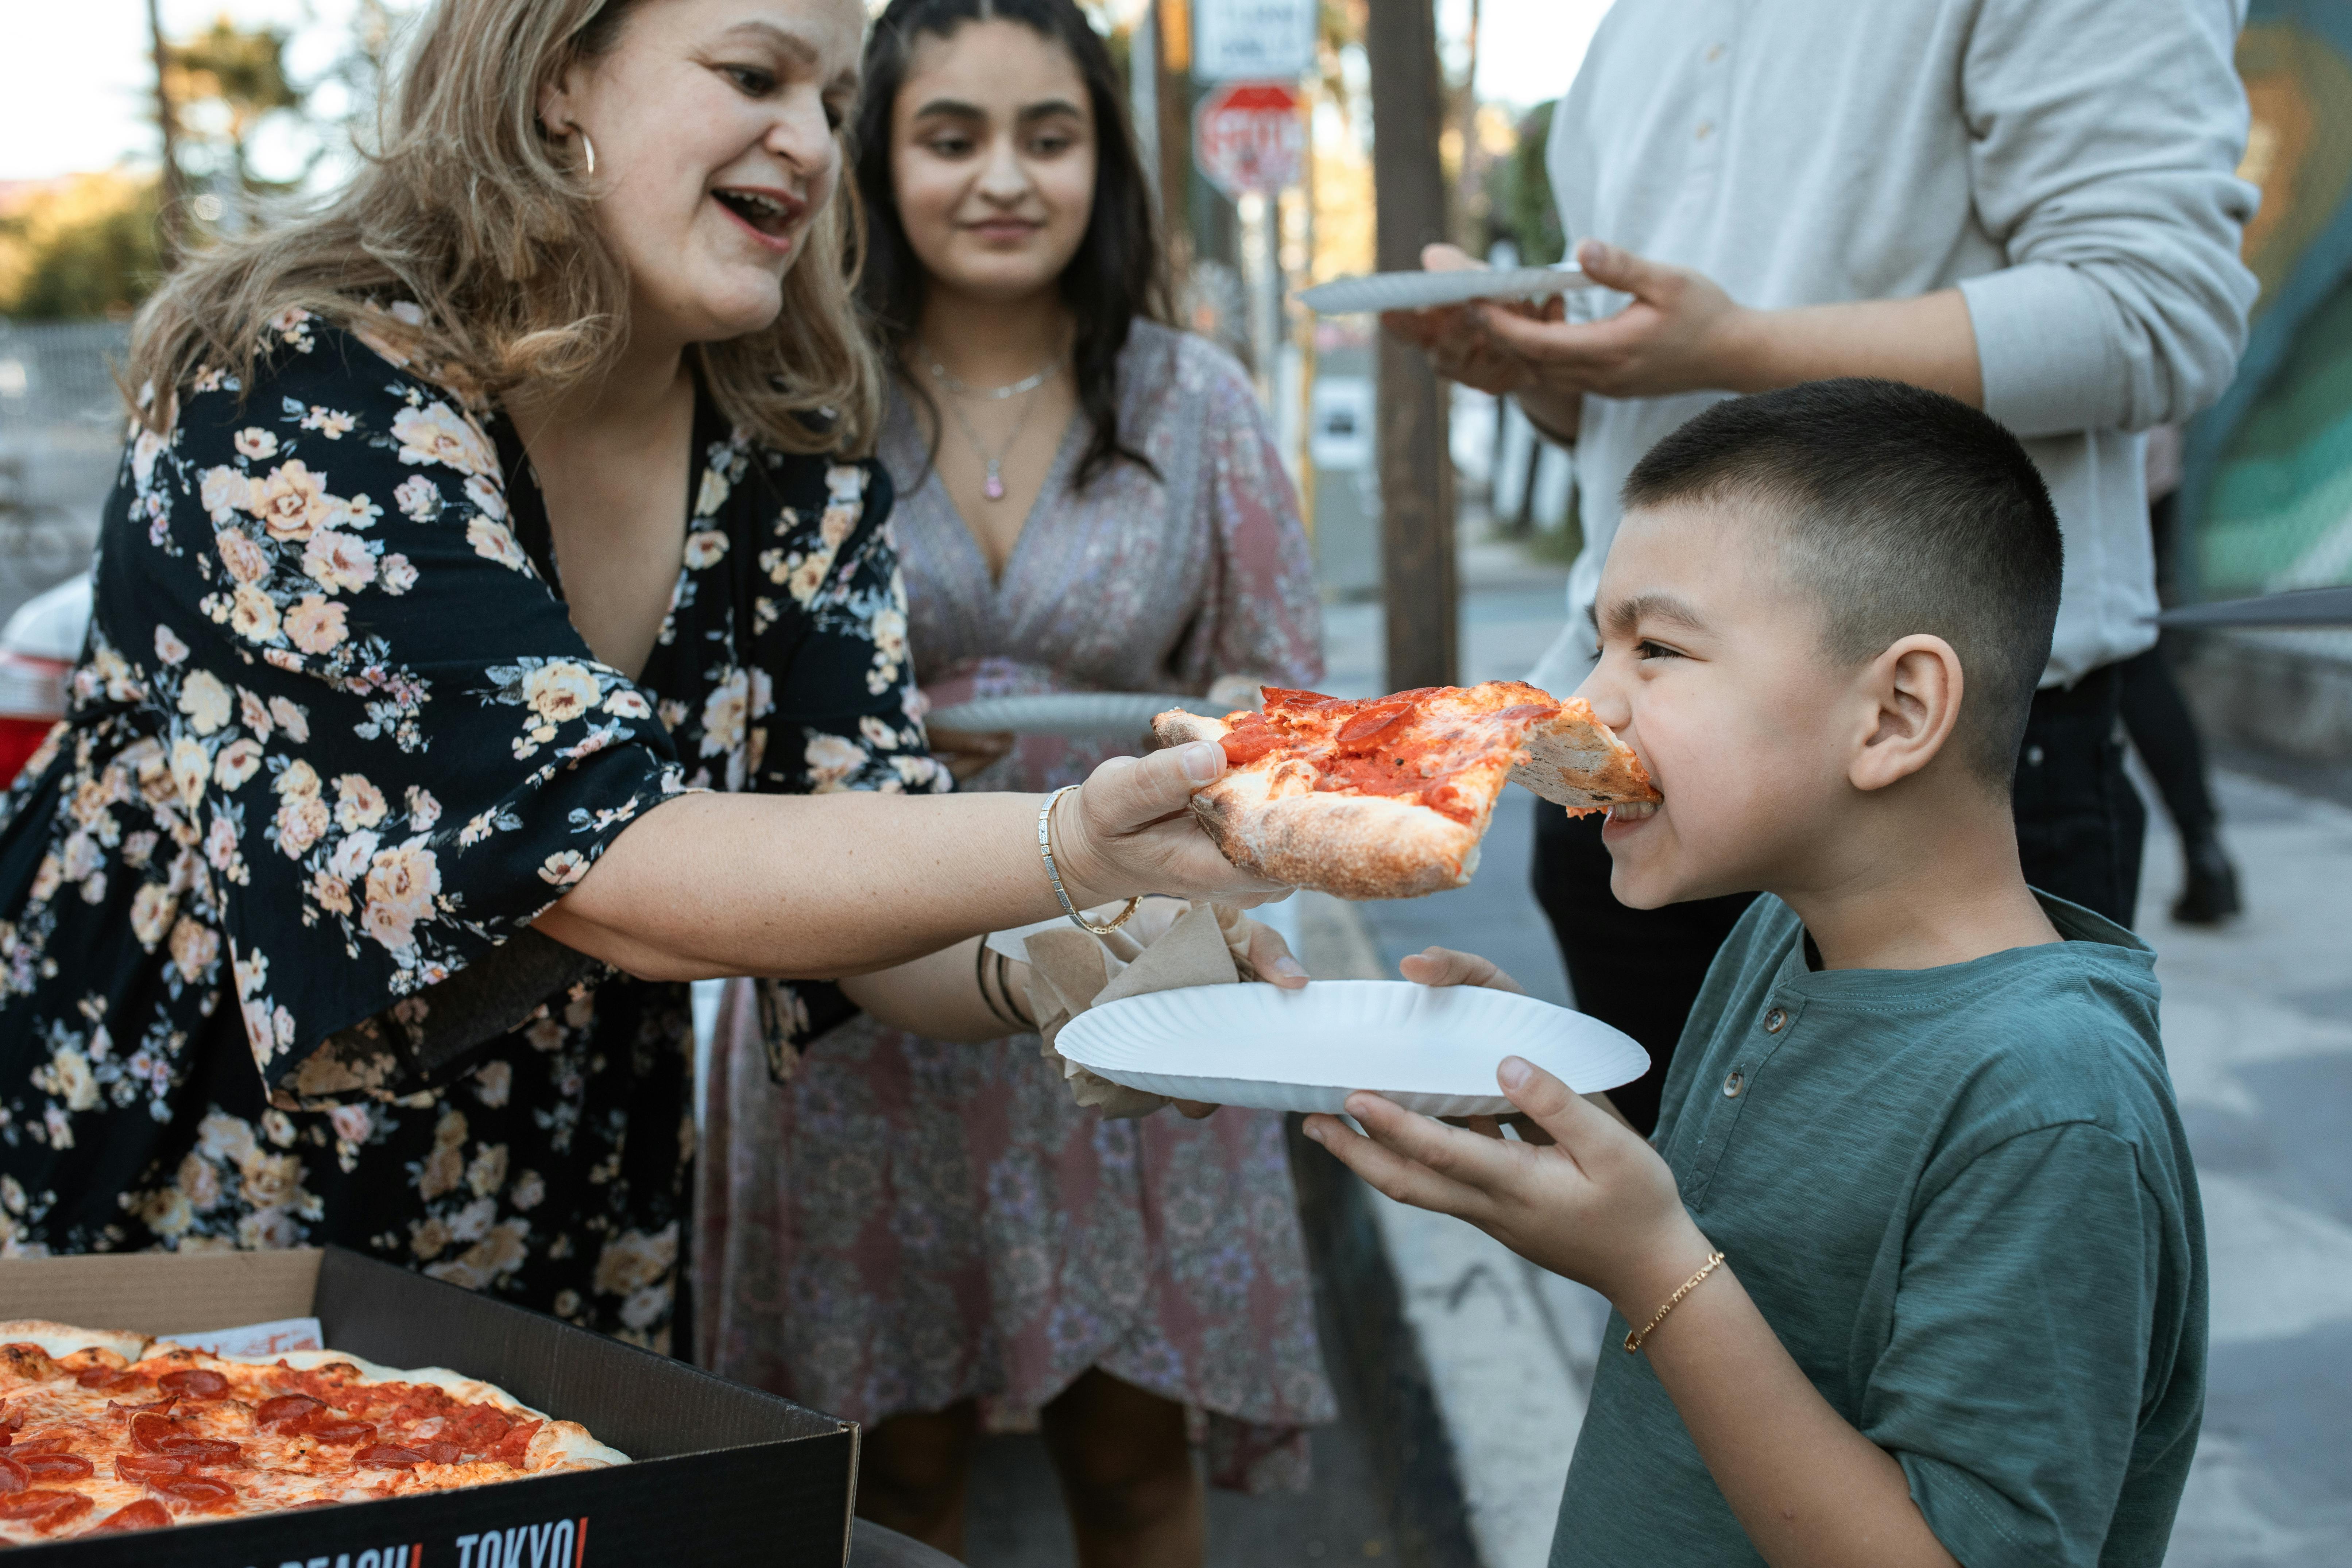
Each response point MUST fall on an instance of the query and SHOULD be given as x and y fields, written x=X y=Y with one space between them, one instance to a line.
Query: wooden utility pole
x=167 y=190
x=1172 y=63
x=1417 y=566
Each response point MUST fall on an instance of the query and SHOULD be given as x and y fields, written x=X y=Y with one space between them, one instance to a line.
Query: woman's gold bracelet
x=1045 y=849
x=1633 y=1341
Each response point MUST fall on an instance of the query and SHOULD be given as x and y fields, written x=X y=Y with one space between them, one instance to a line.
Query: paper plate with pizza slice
x=1431 y=1049
x=1388 y=797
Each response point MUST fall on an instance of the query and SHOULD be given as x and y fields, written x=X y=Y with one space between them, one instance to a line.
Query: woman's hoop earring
x=590 y=148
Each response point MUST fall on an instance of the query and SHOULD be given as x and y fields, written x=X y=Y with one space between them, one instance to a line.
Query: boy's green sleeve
x=2012 y=1386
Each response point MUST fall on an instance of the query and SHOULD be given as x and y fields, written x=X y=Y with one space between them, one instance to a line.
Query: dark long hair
x=1119 y=271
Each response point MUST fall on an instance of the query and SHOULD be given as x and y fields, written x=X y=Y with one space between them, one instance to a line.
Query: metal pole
x=1417 y=560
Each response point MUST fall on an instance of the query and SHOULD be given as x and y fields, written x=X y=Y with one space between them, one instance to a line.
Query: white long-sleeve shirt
x=2069 y=165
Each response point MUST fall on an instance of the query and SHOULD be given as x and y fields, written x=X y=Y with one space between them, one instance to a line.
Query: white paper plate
x=1427 y=290
x=1077 y=715
x=1431 y=1049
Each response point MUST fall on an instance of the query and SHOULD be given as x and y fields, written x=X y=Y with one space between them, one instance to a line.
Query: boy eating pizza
x=1913 y=1270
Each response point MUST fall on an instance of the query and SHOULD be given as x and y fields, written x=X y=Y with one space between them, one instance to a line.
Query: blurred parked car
x=38 y=648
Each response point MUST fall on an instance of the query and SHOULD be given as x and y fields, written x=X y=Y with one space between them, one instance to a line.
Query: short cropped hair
x=1903 y=512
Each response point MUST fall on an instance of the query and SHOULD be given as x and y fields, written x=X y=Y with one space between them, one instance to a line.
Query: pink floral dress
x=267 y=976
x=905 y=1224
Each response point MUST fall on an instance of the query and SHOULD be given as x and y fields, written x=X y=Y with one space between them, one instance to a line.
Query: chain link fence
x=61 y=419
x=61 y=434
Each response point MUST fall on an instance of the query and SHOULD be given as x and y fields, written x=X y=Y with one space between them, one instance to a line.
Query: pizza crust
x=1576 y=761
x=557 y=1441
x=59 y=1340
x=1356 y=847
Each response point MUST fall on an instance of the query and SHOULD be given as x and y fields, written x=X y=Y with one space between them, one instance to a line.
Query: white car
x=38 y=648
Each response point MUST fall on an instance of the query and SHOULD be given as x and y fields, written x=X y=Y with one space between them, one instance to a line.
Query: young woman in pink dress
x=932 y=1238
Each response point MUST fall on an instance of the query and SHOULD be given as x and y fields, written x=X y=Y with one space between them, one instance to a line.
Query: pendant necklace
x=993 y=487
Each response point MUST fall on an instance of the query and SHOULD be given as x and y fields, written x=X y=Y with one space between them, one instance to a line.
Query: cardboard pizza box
x=722 y=1474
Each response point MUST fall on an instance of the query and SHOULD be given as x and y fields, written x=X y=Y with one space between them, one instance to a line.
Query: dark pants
x=2079 y=826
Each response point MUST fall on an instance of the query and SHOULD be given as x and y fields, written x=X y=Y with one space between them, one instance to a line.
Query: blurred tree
x=83 y=248
x=222 y=85
x=1519 y=194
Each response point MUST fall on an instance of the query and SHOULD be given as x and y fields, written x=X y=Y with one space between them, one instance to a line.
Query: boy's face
x=1712 y=669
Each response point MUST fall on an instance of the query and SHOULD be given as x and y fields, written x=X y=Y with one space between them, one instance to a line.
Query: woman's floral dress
x=266 y=975
x=909 y=1223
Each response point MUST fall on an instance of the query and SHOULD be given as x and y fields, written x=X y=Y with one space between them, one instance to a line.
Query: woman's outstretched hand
x=1130 y=829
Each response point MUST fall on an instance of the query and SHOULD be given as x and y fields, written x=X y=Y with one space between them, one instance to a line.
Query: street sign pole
x=1251 y=141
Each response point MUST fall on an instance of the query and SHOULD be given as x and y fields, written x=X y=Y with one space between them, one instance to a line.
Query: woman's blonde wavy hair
x=464 y=209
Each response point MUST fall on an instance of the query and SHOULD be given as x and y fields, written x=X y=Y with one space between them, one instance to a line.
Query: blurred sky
x=77 y=84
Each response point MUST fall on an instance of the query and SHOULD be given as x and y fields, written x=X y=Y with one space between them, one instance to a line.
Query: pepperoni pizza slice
x=105 y=1431
x=1388 y=798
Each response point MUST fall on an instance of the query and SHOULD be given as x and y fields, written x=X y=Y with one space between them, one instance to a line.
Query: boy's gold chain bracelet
x=1633 y=1340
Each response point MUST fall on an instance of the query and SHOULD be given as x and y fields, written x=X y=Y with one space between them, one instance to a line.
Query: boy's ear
x=1917 y=684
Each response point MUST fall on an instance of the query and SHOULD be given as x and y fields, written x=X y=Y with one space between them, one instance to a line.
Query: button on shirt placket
x=1772 y=1028
x=1710 y=107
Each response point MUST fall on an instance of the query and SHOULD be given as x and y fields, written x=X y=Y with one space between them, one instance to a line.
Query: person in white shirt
x=2029 y=204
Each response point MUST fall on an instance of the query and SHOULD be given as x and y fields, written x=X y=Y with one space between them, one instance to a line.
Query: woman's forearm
x=939 y=996
x=810 y=886
x=1809 y=1490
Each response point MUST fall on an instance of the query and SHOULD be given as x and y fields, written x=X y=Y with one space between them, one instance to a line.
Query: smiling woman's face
x=993 y=159
x=714 y=125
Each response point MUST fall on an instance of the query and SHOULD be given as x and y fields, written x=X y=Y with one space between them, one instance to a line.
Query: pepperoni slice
x=150 y=1431
x=13 y=1477
x=200 y=1490
x=56 y=1466
x=194 y=1382
x=1360 y=731
x=478 y=1426
x=103 y=1378
x=144 y=1514
x=286 y=1408
x=148 y=1466
x=45 y=1510
x=515 y=1444
x=203 y=1450
x=1246 y=742
x=42 y=1444
x=342 y=1431
x=441 y=1453
x=388 y=1456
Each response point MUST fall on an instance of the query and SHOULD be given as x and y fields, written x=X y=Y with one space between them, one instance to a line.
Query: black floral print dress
x=266 y=975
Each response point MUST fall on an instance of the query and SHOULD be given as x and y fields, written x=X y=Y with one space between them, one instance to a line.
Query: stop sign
x=1250 y=136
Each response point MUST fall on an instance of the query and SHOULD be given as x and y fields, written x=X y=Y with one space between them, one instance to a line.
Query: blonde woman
x=487 y=643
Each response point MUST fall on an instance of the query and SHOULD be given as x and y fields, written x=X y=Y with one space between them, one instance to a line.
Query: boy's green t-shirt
x=1963 y=1199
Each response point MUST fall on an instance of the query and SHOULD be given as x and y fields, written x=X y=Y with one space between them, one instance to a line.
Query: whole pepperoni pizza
x=1388 y=797
x=111 y=1431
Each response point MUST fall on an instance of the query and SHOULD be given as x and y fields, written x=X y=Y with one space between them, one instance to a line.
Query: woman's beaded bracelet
x=1045 y=849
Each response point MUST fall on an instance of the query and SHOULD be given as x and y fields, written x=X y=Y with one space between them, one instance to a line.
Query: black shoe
x=2210 y=893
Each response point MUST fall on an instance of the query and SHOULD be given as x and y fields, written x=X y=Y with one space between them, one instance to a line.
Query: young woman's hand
x=1131 y=829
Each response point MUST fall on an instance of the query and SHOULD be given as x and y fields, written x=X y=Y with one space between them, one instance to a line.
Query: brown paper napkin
x=1071 y=971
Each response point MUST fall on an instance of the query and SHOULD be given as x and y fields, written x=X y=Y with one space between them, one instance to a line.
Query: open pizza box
x=722 y=1474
